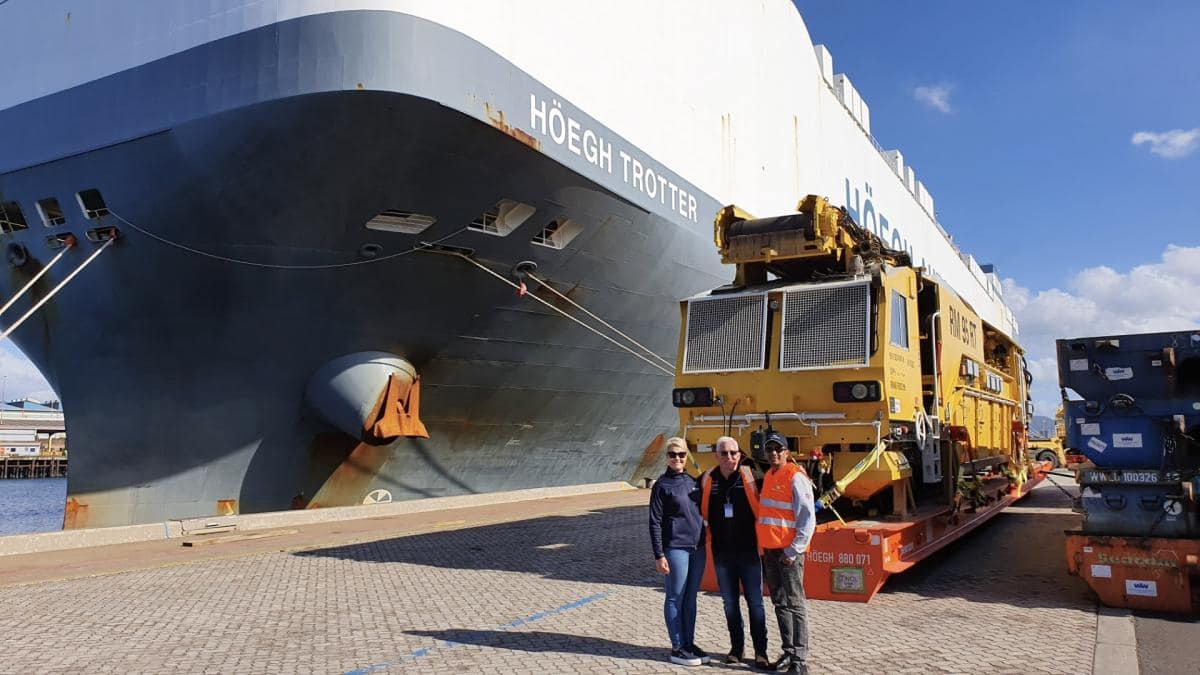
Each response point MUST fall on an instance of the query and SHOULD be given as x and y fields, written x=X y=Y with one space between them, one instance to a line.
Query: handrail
x=937 y=364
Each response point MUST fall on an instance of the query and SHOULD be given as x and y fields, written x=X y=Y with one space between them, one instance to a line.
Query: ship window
x=405 y=222
x=91 y=203
x=899 y=327
x=52 y=214
x=502 y=218
x=11 y=217
x=58 y=241
x=558 y=233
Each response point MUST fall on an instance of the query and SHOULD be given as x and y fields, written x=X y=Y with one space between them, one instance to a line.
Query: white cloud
x=1100 y=300
x=936 y=96
x=1171 y=144
x=19 y=378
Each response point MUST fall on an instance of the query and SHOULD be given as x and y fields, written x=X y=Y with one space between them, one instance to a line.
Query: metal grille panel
x=725 y=334
x=826 y=327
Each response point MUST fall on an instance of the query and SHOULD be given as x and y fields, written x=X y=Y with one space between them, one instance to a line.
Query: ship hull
x=235 y=144
x=184 y=373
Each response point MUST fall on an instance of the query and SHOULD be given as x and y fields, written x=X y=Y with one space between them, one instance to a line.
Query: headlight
x=857 y=392
x=692 y=397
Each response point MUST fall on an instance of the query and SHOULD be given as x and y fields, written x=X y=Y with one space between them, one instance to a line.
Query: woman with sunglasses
x=677 y=537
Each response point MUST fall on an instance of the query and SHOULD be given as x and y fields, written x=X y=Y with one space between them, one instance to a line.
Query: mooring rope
x=625 y=348
x=56 y=289
x=251 y=263
x=660 y=363
x=608 y=325
x=53 y=261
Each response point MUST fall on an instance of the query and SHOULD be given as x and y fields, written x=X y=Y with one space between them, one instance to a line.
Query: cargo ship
x=301 y=218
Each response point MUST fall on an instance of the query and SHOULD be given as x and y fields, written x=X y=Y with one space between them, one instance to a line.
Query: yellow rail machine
x=907 y=410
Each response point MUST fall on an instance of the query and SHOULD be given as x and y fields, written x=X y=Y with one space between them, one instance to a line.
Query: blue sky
x=1020 y=118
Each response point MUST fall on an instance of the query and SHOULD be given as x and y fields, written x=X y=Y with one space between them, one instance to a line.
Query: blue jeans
x=742 y=568
x=682 y=584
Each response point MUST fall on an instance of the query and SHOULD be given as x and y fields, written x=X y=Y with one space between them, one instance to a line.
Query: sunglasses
x=776 y=449
x=729 y=453
x=676 y=455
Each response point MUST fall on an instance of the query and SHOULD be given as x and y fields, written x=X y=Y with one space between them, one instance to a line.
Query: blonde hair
x=677 y=442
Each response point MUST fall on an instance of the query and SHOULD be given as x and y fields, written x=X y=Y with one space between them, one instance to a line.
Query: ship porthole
x=378 y=497
x=370 y=250
x=17 y=255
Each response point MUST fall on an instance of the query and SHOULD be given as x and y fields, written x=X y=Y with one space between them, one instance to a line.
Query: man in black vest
x=731 y=491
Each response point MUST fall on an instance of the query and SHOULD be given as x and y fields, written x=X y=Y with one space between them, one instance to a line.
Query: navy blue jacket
x=675 y=520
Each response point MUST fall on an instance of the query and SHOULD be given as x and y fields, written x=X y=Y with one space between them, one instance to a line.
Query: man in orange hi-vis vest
x=729 y=506
x=786 y=520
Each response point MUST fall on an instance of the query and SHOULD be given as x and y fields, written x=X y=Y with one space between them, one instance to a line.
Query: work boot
x=761 y=662
x=734 y=656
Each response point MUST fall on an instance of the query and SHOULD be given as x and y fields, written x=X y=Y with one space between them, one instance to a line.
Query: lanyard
x=737 y=479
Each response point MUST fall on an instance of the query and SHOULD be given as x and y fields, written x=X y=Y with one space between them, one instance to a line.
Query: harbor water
x=32 y=505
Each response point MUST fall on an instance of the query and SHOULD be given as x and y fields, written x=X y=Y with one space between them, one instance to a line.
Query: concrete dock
x=562 y=584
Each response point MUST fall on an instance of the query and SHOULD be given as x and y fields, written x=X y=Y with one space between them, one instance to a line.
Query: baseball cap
x=776 y=437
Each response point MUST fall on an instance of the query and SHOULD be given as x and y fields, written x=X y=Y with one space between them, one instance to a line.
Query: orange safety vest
x=747 y=485
x=776 y=526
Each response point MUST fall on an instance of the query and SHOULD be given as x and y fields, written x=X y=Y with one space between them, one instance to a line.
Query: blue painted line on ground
x=422 y=652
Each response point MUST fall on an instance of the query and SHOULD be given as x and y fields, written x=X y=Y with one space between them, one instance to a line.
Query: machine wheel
x=1048 y=456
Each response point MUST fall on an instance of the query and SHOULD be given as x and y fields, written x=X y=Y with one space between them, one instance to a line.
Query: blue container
x=1125 y=441
x=1158 y=370
x=1139 y=511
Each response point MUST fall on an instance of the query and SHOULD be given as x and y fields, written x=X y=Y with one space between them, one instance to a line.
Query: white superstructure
x=722 y=93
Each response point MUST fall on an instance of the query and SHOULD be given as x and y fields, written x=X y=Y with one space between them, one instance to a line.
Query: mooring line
x=54 y=291
x=42 y=272
x=666 y=371
x=608 y=325
x=272 y=266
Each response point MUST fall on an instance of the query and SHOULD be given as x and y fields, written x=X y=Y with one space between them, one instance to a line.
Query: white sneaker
x=682 y=657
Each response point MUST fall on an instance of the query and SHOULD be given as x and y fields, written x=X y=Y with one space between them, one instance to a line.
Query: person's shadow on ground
x=536 y=641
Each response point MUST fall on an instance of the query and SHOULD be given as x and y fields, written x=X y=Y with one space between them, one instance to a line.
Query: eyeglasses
x=676 y=455
x=729 y=453
x=776 y=449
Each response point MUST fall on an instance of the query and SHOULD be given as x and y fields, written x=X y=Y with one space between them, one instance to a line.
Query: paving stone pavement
x=572 y=593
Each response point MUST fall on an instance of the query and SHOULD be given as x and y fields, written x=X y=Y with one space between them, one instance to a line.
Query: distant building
x=31 y=428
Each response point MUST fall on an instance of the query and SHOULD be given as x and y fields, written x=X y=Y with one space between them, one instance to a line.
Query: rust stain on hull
x=496 y=117
x=75 y=515
x=651 y=461
x=347 y=485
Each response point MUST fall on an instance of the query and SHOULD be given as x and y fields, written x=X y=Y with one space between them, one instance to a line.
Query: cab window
x=899 y=322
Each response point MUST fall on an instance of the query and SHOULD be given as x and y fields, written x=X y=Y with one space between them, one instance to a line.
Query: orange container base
x=1149 y=573
x=851 y=561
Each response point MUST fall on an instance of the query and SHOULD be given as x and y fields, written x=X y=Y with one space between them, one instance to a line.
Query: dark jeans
x=787 y=594
x=745 y=569
x=681 y=585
